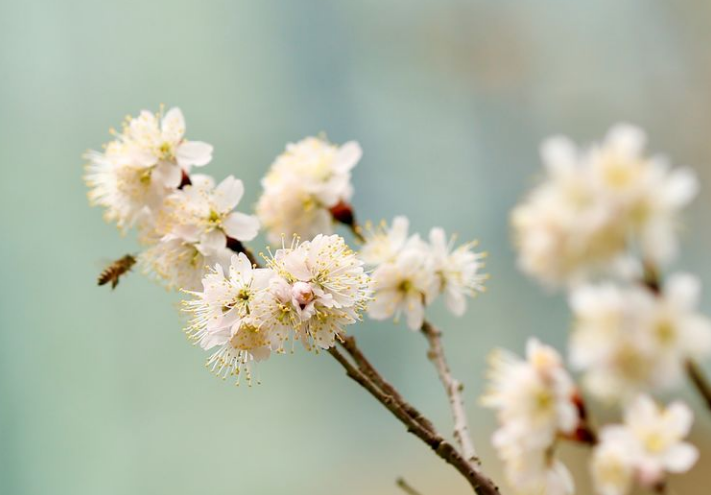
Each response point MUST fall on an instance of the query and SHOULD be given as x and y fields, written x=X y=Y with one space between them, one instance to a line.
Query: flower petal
x=212 y=243
x=680 y=457
x=228 y=194
x=173 y=125
x=240 y=226
x=193 y=153
x=167 y=174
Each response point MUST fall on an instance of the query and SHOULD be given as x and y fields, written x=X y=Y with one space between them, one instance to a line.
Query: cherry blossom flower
x=304 y=182
x=645 y=447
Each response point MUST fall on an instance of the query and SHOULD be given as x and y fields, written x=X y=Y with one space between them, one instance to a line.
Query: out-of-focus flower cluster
x=644 y=448
x=603 y=224
x=303 y=185
x=410 y=273
x=535 y=400
x=597 y=204
x=628 y=339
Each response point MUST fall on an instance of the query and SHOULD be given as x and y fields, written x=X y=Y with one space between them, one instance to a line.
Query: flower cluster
x=535 y=400
x=304 y=183
x=309 y=290
x=410 y=273
x=143 y=165
x=628 y=339
x=143 y=179
x=597 y=203
x=644 y=448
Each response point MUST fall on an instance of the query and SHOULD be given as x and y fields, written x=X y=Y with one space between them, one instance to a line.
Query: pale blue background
x=100 y=393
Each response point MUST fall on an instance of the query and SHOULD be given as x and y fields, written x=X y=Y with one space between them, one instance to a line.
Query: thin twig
x=480 y=483
x=699 y=380
x=454 y=391
x=402 y=484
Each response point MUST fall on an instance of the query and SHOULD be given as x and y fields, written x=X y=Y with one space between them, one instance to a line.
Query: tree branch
x=405 y=486
x=454 y=391
x=349 y=344
x=699 y=380
x=480 y=483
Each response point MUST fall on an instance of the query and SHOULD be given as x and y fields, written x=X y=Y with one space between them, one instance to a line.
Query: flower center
x=302 y=294
x=166 y=151
x=406 y=286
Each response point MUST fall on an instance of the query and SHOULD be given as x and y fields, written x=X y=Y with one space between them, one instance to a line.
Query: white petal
x=240 y=267
x=680 y=457
x=679 y=418
x=349 y=154
x=173 y=125
x=414 y=311
x=384 y=305
x=680 y=188
x=559 y=155
x=167 y=174
x=228 y=194
x=193 y=153
x=212 y=243
x=683 y=290
x=241 y=227
x=456 y=302
x=627 y=138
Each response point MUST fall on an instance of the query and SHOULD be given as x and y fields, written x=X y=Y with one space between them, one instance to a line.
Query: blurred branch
x=401 y=483
x=699 y=380
x=454 y=388
x=399 y=408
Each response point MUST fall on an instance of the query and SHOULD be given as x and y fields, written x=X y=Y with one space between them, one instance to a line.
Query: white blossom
x=534 y=400
x=405 y=285
x=191 y=231
x=458 y=270
x=411 y=273
x=224 y=317
x=595 y=205
x=142 y=166
x=304 y=182
x=204 y=215
x=628 y=339
x=321 y=288
x=384 y=244
x=644 y=448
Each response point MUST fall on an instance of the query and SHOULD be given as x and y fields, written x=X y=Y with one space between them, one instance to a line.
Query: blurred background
x=100 y=393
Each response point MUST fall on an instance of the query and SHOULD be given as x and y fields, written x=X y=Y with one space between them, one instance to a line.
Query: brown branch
x=454 y=391
x=405 y=486
x=699 y=380
x=349 y=344
x=480 y=483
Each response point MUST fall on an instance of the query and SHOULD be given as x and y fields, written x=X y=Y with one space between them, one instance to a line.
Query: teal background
x=100 y=393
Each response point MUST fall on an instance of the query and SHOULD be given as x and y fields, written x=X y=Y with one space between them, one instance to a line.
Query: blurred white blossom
x=304 y=183
x=628 y=339
x=649 y=444
x=535 y=402
x=596 y=205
